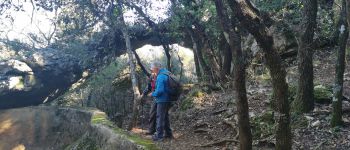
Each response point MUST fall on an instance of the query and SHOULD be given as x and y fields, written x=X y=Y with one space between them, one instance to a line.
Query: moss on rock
x=101 y=119
x=187 y=103
x=263 y=125
x=322 y=94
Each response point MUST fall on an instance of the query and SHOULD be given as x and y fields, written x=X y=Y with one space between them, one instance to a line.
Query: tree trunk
x=196 y=63
x=206 y=47
x=227 y=58
x=206 y=76
x=202 y=45
x=214 y=57
x=245 y=136
x=181 y=65
x=340 y=66
x=138 y=60
x=250 y=20
x=168 y=56
x=304 y=101
x=214 y=66
x=348 y=12
x=234 y=40
x=135 y=88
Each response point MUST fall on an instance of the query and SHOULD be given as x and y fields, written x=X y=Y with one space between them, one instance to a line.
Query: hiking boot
x=149 y=133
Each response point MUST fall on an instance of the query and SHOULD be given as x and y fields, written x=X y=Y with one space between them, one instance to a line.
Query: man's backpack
x=174 y=87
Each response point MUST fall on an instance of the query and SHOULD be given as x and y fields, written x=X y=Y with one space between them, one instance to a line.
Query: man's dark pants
x=152 y=118
x=163 y=123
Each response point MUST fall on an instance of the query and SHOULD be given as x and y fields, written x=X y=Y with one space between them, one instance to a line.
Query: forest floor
x=212 y=123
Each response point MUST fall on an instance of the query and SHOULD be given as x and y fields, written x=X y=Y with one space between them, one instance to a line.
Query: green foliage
x=106 y=75
x=288 y=10
x=186 y=103
x=197 y=93
x=100 y=118
x=277 y=5
x=78 y=18
x=17 y=45
x=263 y=125
x=326 y=23
x=292 y=93
x=322 y=94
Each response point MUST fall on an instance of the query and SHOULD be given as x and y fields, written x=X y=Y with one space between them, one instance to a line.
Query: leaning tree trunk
x=340 y=66
x=181 y=65
x=167 y=54
x=214 y=65
x=227 y=58
x=206 y=76
x=304 y=101
x=206 y=47
x=348 y=12
x=250 y=19
x=196 y=63
x=234 y=39
x=143 y=68
x=135 y=88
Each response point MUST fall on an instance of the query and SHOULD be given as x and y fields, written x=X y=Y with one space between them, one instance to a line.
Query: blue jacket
x=160 y=93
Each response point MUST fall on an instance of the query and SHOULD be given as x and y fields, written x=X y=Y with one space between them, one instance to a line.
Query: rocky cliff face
x=284 y=40
x=31 y=77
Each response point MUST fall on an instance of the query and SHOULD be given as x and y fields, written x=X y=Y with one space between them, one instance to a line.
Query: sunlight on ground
x=5 y=125
x=143 y=131
x=138 y=130
x=19 y=147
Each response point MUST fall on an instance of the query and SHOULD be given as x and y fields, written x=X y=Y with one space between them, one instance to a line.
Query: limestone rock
x=284 y=39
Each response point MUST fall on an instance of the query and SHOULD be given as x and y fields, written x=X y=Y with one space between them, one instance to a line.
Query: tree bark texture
x=206 y=76
x=132 y=65
x=234 y=39
x=226 y=58
x=214 y=68
x=251 y=21
x=196 y=63
x=143 y=68
x=340 y=67
x=304 y=101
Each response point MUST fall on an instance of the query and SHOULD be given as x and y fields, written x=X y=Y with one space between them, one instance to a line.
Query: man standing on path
x=153 y=112
x=163 y=102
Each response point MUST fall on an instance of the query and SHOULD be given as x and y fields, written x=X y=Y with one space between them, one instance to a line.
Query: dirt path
x=206 y=126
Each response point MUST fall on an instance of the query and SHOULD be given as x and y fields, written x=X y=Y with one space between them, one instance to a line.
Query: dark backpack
x=174 y=88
